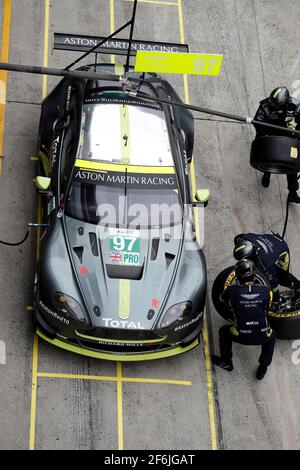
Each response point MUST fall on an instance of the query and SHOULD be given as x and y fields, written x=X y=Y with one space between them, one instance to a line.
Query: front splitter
x=119 y=357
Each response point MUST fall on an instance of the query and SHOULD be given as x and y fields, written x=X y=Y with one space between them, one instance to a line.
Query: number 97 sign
x=124 y=250
x=169 y=62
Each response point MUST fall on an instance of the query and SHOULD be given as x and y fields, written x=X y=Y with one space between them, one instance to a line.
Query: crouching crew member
x=250 y=304
x=282 y=110
x=271 y=255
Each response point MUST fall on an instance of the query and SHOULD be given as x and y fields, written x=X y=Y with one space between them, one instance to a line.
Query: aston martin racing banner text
x=167 y=62
x=78 y=42
x=131 y=180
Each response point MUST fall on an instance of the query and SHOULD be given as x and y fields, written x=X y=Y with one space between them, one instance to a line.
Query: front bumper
x=111 y=356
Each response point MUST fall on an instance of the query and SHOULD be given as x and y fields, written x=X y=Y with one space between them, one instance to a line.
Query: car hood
x=125 y=275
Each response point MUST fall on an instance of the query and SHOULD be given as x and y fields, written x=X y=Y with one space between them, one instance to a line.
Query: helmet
x=279 y=97
x=245 y=271
x=244 y=249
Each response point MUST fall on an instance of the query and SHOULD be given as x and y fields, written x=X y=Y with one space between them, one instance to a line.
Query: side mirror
x=202 y=197
x=42 y=183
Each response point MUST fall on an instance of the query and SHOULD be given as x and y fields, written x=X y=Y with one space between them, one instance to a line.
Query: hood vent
x=78 y=250
x=93 y=243
x=169 y=258
x=154 y=248
x=134 y=273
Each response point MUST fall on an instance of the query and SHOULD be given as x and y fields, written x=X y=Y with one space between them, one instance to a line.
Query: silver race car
x=121 y=275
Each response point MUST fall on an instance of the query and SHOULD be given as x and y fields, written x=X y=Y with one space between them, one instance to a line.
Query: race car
x=121 y=275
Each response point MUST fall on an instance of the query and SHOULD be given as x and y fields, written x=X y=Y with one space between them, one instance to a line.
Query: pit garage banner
x=78 y=42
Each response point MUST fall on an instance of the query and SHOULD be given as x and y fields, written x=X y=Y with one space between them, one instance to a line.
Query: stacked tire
x=276 y=154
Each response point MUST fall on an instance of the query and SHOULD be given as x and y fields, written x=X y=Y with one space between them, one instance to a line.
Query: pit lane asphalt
x=87 y=404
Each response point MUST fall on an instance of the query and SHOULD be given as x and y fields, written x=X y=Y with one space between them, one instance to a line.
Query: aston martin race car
x=121 y=275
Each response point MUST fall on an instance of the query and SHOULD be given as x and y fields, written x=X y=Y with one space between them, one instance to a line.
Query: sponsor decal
x=126 y=345
x=130 y=325
x=83 y=270
x=284 y=315
x=68 y=98
x=51 y=205
x=120 y=179
x=115 y=258
x=229 y=280
x=155 y=303
x=61 y=336
x=124 y=246
x=185 y=325
x=250 y=296
x=54 y=314
x=186 y=165
x=55 y=145
x=100 y=98
x=80 y=42
x=294 y=152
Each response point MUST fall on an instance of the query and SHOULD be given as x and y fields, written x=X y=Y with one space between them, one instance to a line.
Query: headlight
x=69 y=307
x=176 y=313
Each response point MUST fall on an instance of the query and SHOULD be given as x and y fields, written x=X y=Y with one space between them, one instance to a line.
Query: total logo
x=54 y=149
x=123 y=324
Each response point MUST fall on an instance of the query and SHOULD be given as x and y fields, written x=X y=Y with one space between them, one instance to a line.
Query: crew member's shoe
x=261 y=372
x=218 y=361
x=293 y=197
x=266 y=180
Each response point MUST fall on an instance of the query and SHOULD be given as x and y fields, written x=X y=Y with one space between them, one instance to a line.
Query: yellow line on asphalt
x=3 y=74
x=157 y=2
x=112 y=25
x=35 y=340
x=210 y=392
x=107 y=378
x=156 y=381
x=46 y=46
x=120 y=406
x=210 y=396
x=33 y=392
x=50 y=375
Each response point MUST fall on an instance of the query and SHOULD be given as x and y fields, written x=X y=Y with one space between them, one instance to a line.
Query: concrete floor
x=93 y=404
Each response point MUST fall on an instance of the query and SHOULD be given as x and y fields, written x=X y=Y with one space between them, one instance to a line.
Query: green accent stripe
x=119 y=69
x=125 y=134
x=124 y=298
x=277 y=92
x=144 y=341
x=119 y=357
x=96 y=165
x=239 y=248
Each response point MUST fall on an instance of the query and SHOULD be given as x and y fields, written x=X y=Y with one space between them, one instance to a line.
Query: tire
x=227 y=277
x=216 y=294
x=276 y=154
x=286 y=324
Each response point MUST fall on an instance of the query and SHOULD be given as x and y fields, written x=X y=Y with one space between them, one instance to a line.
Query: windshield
x=117 y=130
x=124 y=199
x=124 y=174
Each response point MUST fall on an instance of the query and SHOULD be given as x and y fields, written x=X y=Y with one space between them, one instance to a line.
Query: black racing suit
x=266 y=113
x=250 y=305
x=273 y=259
